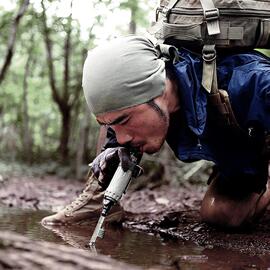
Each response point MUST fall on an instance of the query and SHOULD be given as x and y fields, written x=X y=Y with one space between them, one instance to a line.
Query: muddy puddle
x=132 y=247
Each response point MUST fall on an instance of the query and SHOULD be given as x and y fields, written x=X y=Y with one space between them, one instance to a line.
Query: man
x=146 y=96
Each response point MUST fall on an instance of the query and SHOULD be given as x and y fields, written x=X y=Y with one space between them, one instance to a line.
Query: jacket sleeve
x=248 y=83
x=249 y=91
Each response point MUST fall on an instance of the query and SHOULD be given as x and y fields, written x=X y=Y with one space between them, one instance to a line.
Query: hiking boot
x=85 y=208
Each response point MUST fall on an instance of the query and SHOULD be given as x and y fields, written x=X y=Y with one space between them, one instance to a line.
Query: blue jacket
x=194 y=133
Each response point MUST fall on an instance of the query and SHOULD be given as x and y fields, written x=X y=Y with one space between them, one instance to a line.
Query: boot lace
x=80 y=199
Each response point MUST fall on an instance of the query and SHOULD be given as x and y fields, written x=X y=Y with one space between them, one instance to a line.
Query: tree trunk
x=27 y=139
x=132 y=24
x=48 y=44
x=64 y=137
x=65 y=108
x=62 y=101
x=84 y=128
x=12 y=39
x=132 y=27
x=67 y=47
x=19 y=252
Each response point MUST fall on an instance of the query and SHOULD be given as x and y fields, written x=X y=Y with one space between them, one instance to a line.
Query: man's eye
x=124 y=121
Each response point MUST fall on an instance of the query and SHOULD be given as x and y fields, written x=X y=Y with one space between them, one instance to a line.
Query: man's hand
x=106 y=163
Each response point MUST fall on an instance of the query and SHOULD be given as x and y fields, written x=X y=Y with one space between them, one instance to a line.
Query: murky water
x=132 y=247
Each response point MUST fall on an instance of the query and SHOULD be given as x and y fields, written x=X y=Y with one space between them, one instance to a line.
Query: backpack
x=210 y=25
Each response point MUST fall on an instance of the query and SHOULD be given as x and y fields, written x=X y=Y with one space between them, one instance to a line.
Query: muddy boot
x=85 y=208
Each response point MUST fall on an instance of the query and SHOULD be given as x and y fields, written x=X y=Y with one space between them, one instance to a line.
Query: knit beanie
x=122 y=73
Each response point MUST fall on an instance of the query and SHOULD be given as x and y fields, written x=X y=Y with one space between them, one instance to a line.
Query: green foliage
x=44 y=119
x=139 y=10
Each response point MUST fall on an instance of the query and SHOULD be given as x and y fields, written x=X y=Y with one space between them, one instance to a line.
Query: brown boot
x=85 y=208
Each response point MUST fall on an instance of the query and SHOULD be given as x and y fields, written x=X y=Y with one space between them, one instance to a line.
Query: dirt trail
x=169 y=211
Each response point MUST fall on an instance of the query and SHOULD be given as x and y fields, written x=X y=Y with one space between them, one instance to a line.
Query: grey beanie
x=123 y=73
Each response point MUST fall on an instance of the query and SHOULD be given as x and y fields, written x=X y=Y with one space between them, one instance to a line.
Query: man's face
x=141 y=126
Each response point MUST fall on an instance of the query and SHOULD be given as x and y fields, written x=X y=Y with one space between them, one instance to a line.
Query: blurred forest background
x=45 y=126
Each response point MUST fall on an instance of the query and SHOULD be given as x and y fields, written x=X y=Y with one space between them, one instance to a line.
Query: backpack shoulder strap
x=211 y=16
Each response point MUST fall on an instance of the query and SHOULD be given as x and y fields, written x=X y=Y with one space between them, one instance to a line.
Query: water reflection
x=132 y=247
x=26 y=222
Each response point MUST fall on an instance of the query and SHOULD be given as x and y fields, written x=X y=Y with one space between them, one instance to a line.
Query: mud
x=46 y=193
x=174 y=212
x=169 y=212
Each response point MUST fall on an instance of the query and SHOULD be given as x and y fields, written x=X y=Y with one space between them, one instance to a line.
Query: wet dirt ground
x=150 y=251
x=167 y=212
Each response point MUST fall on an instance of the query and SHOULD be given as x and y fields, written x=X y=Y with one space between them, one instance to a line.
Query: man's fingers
x=104 y=181
x=105 y=164
x=95 y=169
x=113 y=155
x=102 y=164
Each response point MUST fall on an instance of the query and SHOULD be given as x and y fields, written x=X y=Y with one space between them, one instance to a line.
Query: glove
x=106 y=163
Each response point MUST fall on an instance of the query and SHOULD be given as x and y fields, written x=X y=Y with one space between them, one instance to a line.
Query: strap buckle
x=211 y=14
x=166 y=11
x=211 y=17
x=157 y=13
x=209 y=53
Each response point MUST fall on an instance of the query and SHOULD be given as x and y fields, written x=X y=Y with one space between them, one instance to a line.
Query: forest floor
x=167 y=211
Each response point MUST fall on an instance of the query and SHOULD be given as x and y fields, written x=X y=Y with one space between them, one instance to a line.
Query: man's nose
x=122 y=136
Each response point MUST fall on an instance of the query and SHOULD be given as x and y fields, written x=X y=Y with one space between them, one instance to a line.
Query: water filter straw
x=118 y=184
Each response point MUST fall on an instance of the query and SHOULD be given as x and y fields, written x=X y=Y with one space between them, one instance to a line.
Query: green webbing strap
x=211 y=15
x=157 y=29
x=168 y=7
x=172 y=3
x=181 y=33
x=218 y=98
x=168 y=53
x=209 y=74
